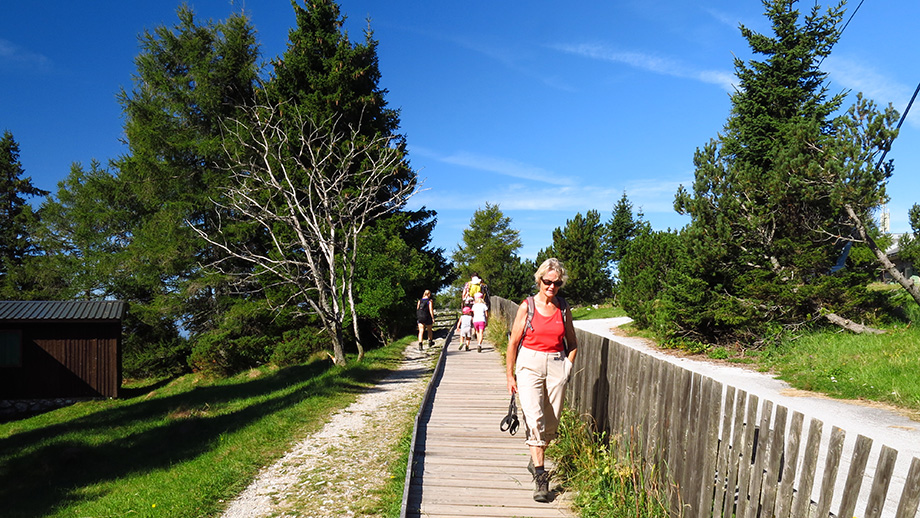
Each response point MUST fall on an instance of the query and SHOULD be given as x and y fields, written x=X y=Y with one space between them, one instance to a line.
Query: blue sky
x=545 y=108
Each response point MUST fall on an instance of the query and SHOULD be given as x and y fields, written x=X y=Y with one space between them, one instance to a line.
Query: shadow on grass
x=44 y=469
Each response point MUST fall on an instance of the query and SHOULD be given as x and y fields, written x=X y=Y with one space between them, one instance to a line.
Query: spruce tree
x=17 y=220
x=190 y=77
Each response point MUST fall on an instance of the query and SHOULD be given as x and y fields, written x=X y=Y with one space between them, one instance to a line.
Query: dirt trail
x=336 y=471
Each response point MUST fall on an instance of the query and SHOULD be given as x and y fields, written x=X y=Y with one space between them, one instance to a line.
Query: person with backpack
x=424 y=310
x=471 y=288
x=540 y=356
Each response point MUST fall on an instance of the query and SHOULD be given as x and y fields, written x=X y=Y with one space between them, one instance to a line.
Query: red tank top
x=547 y=334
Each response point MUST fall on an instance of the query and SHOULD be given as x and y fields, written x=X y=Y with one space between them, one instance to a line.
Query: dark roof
x=71 y=310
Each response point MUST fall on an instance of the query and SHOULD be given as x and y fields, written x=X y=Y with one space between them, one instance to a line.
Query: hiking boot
x=479 y=349
x=541 y=488
x=420 y=346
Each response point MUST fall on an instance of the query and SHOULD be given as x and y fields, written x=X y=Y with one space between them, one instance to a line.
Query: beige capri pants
x=541 y=379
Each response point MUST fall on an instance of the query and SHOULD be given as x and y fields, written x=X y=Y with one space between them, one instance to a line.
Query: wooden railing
x=724 y=452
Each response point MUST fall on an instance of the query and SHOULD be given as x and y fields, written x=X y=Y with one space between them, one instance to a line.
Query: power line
x=903 y=116
x=844 y=25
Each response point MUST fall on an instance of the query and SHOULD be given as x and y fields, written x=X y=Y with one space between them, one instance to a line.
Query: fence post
x=784 y=496
x=832 y=463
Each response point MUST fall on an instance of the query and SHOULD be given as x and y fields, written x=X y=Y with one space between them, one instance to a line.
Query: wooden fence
x=724 y=452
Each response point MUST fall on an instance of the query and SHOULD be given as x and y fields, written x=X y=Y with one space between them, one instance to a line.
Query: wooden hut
x=60 y=349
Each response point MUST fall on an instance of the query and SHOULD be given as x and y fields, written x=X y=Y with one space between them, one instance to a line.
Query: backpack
x=474 y=289
x=528 y=326
x=422 y=312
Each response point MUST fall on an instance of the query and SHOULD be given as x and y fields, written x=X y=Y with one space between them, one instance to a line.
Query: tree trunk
x=849 y=325
x=338 y=344
x=882 y=257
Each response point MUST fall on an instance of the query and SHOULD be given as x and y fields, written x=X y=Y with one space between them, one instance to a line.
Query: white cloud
x=723 y=18
x=650 y=63
x=10 y=53
x=860 y=77
x=496 y=165
x=651 y=196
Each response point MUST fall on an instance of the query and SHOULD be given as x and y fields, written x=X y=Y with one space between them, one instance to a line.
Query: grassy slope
x=175 y=448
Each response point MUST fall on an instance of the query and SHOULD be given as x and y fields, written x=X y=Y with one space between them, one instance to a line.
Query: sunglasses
x=557 y=284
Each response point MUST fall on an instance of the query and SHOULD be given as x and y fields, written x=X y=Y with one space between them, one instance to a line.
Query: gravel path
x=336 y=471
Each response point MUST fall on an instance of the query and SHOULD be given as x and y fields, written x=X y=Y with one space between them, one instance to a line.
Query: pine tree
x=580 y=247
x=17 y=219
x=490 y=248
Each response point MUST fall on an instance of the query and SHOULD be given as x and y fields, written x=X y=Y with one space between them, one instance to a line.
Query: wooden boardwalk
x=463 y=464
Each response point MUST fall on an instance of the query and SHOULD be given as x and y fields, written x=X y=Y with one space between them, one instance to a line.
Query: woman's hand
x=512 y=384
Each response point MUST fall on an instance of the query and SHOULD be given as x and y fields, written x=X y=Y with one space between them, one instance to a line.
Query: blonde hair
x=551 y=264
x=427 y=294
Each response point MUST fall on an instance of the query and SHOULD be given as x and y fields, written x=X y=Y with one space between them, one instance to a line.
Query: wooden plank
x=618 y=391
x=831 y=464
x=631 y=416
x=608 y=376
x=681 y=425
x=690 y=473
x=735 y=455
x=910 y=496
x=880 y=482
x=802 y=500
x=747 y=449
x=464 y=465
x=772 y=474
x=641 y=406
x=665 y=391
x=855 y=476
x=760 y=459
x=652 y=400
x=785 y=492
x=724 y=450
x=710 y=444
x=674 y=426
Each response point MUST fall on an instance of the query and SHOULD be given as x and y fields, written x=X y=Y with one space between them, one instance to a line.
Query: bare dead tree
x=311 y=187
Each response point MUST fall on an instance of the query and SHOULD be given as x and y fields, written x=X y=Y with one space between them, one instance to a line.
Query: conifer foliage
x=768 y=203
x=17 y=219
x=172 y=226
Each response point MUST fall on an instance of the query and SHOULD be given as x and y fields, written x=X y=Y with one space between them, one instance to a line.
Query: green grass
x=606 y=480
x=844 y=365
x=602 y=311
x=389 y=503
x=174 y=448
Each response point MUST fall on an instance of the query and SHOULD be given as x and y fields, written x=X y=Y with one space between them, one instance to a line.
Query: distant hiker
x=471 y=288
x=480 y=318
x=425 y=316
x=465 y=325
x=541 y=352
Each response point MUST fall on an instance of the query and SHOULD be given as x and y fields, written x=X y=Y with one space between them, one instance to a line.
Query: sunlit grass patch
x=607 y=481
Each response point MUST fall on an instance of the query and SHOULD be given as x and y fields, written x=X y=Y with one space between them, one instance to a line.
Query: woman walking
x=424 y=310
x=539 y=361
